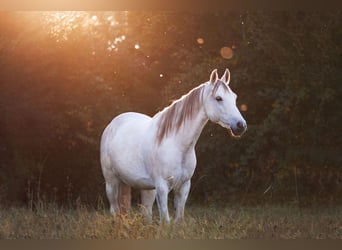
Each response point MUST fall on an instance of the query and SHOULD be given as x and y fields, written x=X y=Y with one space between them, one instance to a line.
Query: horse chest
x=180 y=170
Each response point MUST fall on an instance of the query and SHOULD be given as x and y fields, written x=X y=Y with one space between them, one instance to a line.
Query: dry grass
x=213 y=222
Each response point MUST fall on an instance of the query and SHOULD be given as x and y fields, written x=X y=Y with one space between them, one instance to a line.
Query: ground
x=224 y=221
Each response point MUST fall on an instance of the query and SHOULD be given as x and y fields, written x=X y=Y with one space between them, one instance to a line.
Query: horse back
x=124 y=128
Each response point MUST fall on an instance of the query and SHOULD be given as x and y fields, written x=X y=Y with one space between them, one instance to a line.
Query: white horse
x=157 y=154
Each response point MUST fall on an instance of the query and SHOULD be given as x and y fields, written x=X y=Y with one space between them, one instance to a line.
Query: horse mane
x=174 y=116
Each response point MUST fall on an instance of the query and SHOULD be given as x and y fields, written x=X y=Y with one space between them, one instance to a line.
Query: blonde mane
x=174 y=116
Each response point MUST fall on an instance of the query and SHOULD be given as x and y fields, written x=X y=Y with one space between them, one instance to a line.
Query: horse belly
x=122 y=145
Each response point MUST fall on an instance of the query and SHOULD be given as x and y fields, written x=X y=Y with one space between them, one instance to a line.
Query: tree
x=65 y=75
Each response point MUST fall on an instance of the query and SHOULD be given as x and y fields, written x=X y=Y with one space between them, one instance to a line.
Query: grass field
x=49 y=221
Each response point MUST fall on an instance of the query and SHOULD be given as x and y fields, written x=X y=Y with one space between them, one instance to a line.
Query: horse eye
x=218 y=98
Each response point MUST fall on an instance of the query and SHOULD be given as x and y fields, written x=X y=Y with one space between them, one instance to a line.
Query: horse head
x=220 y=104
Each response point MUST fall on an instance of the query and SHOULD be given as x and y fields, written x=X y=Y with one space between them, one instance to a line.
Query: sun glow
x=66 y=21
x=62 y=25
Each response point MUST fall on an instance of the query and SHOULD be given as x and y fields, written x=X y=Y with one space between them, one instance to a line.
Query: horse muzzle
x=238 y=129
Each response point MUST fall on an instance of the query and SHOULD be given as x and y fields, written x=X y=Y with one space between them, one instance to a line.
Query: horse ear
x=213 y=76
x=226 y=76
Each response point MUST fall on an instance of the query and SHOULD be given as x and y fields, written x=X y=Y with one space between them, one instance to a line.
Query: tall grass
x=49 y=221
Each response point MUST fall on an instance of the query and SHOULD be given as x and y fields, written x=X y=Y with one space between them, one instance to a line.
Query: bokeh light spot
x=226 y=52
x=243 y=107
x=137 y=46
x=200 y=40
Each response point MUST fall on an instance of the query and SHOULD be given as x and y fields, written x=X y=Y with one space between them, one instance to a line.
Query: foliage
x=63 y=81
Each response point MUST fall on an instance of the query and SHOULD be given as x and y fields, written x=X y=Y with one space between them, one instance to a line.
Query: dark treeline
x=65 y=76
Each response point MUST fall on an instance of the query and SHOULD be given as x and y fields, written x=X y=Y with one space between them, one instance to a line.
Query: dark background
x=64 y=76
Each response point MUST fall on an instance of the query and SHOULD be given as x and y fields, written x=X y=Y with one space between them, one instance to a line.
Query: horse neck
x=182 y=122
x=188 y=134
x=191 y=130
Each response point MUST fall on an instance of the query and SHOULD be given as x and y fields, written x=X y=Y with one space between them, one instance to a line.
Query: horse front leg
x=162 y=192
x=180 y=197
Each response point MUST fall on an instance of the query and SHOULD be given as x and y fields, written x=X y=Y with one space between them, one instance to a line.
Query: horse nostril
x=240 y=125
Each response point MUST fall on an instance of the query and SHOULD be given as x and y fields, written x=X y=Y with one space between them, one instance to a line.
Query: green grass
x=201 y=222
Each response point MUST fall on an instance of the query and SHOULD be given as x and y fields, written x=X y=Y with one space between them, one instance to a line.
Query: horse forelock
x=218 y=84
x=179 y=112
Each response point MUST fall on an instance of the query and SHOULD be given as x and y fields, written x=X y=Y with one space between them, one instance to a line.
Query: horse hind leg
x=124 y=198
x=112 y=191
x=147 y=200
x=119 y=196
